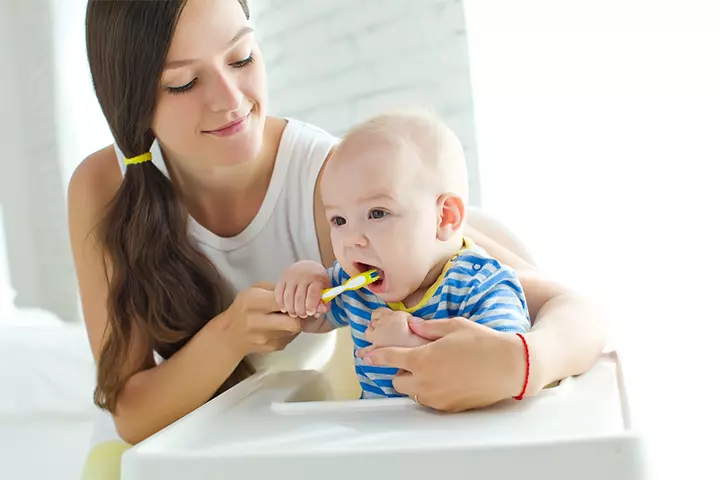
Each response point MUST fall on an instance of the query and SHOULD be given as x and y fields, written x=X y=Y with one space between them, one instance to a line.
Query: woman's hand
x=466 y=366
x=253 y=323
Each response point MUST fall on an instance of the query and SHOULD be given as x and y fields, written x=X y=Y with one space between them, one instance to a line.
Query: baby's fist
x=299 y=290
x=390 y=328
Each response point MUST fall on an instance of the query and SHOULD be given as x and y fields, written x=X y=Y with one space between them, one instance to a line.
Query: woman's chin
x=236 y=153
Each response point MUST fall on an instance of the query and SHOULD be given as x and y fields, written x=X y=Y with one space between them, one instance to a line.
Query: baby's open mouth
x=377 y=285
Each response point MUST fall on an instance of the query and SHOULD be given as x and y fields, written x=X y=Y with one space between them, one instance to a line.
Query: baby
x=395 y=193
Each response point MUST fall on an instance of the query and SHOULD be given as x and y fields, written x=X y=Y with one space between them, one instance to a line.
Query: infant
x=395 y=194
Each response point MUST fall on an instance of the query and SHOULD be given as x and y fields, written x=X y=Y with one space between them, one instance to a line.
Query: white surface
x=45 y=366
x=44 y=448
x=46 y=384
x=272 y=427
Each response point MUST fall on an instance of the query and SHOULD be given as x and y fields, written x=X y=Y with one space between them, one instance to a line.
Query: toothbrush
x=354 y=283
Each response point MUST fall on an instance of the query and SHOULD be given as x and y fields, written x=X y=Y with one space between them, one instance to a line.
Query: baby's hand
x=390 y=328
x=298 y=291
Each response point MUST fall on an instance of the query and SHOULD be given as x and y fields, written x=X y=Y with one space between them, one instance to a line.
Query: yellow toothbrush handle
x=353 y=283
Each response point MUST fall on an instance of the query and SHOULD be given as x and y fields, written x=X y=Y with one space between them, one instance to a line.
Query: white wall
x=9 y=182
x=31 y=189
x=55 y=123
x=598 y=125
x=334 y=63
x=12 y=168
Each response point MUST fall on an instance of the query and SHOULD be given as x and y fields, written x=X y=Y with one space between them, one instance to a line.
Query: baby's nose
x=356 y=238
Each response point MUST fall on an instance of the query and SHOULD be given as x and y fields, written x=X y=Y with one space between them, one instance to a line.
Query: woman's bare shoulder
x=92 y=187
x=95 y=180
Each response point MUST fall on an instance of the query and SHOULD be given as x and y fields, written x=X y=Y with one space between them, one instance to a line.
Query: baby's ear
x=450 y=217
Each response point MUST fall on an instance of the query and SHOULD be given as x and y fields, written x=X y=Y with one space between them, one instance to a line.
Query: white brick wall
x=336 y=62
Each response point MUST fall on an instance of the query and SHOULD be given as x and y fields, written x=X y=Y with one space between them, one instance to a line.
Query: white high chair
x=280 y=424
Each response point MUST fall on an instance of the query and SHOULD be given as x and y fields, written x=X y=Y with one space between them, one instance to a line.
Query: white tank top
x=282 y=232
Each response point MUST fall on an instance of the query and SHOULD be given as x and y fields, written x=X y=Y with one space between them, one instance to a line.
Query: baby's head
x=395 y=192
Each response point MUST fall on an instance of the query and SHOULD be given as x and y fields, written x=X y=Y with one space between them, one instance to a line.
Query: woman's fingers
x=365 y=351
x=397 y=357
x=264 y=286
x=261 y=298
x=406 y=383
x=435 y=329
x=278 y=322
x=277 y=343
x=280 y=295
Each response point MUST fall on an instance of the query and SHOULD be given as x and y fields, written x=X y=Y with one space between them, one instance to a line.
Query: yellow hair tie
x=145 y=157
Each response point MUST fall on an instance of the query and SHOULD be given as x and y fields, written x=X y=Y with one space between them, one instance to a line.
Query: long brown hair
x=160 y=288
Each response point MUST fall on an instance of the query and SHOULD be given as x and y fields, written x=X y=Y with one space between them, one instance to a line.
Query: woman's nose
x=225 y=95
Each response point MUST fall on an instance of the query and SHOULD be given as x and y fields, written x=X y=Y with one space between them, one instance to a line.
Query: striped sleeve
x=336 y=315
x=499 y=303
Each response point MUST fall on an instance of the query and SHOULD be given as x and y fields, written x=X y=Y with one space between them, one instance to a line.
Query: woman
x=169 y=252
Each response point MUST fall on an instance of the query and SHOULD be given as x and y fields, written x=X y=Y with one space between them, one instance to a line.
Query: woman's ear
x=451 y=216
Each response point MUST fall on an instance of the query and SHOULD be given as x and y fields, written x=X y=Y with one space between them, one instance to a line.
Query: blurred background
x=592 y=130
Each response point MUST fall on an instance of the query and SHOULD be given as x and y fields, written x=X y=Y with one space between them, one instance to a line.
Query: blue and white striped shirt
x=472 y=285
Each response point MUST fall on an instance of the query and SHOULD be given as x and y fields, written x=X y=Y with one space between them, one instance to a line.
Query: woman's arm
x=566 y=339
x=154 y=396
x=568 y=332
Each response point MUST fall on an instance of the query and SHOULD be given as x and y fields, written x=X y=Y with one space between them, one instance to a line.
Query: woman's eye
x=338 y=221
x=183 y=88
x=243 y=63
x=188 y=86
x=378 y=214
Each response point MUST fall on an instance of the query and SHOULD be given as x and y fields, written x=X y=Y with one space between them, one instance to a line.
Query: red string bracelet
x=527 y=367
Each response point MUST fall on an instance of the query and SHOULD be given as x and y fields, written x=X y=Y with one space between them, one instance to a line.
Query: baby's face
x=380 y=217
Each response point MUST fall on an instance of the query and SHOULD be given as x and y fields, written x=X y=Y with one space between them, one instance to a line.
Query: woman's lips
x=231 y=128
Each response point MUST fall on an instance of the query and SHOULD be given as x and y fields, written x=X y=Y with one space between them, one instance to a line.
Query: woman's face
x=211 y=105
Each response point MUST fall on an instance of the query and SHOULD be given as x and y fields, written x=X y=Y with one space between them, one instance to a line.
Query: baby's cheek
x=412 y=254
x=336 y=243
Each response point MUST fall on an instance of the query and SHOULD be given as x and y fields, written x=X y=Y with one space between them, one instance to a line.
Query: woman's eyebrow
x=181 y=63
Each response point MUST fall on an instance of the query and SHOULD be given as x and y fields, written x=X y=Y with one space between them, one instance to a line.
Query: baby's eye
x=338 y=221
x=377 y=214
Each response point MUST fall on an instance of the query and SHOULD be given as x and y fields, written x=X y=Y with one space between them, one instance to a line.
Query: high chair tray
x=274 y=426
